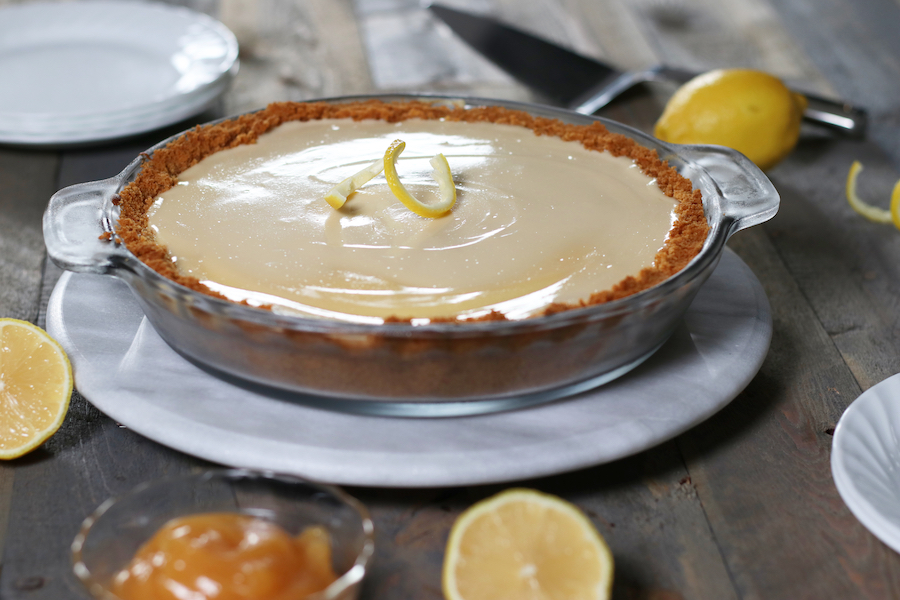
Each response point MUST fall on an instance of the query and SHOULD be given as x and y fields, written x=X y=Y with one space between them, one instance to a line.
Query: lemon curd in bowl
x=548 y=216
x=574 y=248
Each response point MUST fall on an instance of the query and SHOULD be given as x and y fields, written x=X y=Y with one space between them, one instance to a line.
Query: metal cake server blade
x=586 y=85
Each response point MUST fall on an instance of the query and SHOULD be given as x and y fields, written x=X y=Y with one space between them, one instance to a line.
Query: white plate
x=125 y=369
x=76 y=67
x=865 y=460
x=114 y=127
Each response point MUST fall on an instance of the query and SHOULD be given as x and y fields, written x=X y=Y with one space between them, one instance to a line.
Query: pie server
x=586 y=85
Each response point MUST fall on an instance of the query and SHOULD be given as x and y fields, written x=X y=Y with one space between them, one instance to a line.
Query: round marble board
x=710 y=358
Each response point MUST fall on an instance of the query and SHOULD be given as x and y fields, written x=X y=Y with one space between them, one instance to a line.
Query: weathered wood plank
x=293 y=50
x=27 y=179
x=87 y=461
x=645 y=507
x=843 y=263
x=648 y=510
x=836 y=259
x=755 y=507
x=810 y=532
x=857 y=46
x=408 y=50
x=90 y=458
x=617 y=32
x=762 y=467
x=831 y=282
x=707 y=34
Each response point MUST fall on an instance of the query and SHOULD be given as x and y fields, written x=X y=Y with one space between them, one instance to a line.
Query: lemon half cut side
x=526 y=545
x=441 y=175
x=35 y=387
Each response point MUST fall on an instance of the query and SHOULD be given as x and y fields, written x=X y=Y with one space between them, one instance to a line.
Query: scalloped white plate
x=865 y=460
x=85 y=71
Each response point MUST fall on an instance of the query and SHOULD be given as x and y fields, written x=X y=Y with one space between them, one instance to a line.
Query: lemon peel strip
x=895 y=205
x=872 y=213
x=441 y=175
x=339 y=193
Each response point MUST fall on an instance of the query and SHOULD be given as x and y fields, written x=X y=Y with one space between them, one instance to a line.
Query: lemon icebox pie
x=573 y=249
x=548 y=217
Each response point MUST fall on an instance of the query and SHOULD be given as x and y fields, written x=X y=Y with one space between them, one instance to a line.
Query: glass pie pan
x=479 y=366
x=116 y=530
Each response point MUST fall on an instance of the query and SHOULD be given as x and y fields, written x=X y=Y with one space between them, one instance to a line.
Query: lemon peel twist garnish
x=441 y=175
x=339 y=193
x=873 y=213
x=895 y=205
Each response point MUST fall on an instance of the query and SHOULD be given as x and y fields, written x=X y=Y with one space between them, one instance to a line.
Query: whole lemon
x=750 y=111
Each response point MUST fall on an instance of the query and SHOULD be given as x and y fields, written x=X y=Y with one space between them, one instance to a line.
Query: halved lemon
x=441 y=175
x=338 y=195
x=35 y=387
x=524 y=544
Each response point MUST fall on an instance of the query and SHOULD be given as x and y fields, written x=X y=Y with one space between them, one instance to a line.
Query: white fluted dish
x=865 y=460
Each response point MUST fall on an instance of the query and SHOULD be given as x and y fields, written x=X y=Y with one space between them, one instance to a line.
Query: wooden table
x=741 y=506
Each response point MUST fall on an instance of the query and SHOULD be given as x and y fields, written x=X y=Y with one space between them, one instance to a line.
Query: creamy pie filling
x=538 y=221
x=550 y=215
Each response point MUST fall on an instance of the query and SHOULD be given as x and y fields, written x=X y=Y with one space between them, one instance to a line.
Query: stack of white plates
x=81 y=72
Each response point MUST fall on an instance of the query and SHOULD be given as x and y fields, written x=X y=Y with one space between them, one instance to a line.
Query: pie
x=549 y=216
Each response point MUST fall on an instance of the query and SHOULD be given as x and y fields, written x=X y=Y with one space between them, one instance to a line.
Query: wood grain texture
x=648 y=509
x=45 y=495
x=89 y=460
x=707 y=34
x=408 y=50
x=843 y=263
x=645 y=506
x=762 y=467
x=27 y=180
x=293 y=50
x=743 y=506
x=857 y=46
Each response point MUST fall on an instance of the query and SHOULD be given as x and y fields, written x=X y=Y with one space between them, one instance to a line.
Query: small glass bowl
x=111 y=536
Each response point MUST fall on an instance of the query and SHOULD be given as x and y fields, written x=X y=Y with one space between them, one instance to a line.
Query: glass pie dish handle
x=78 y=228
x=748 y=197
